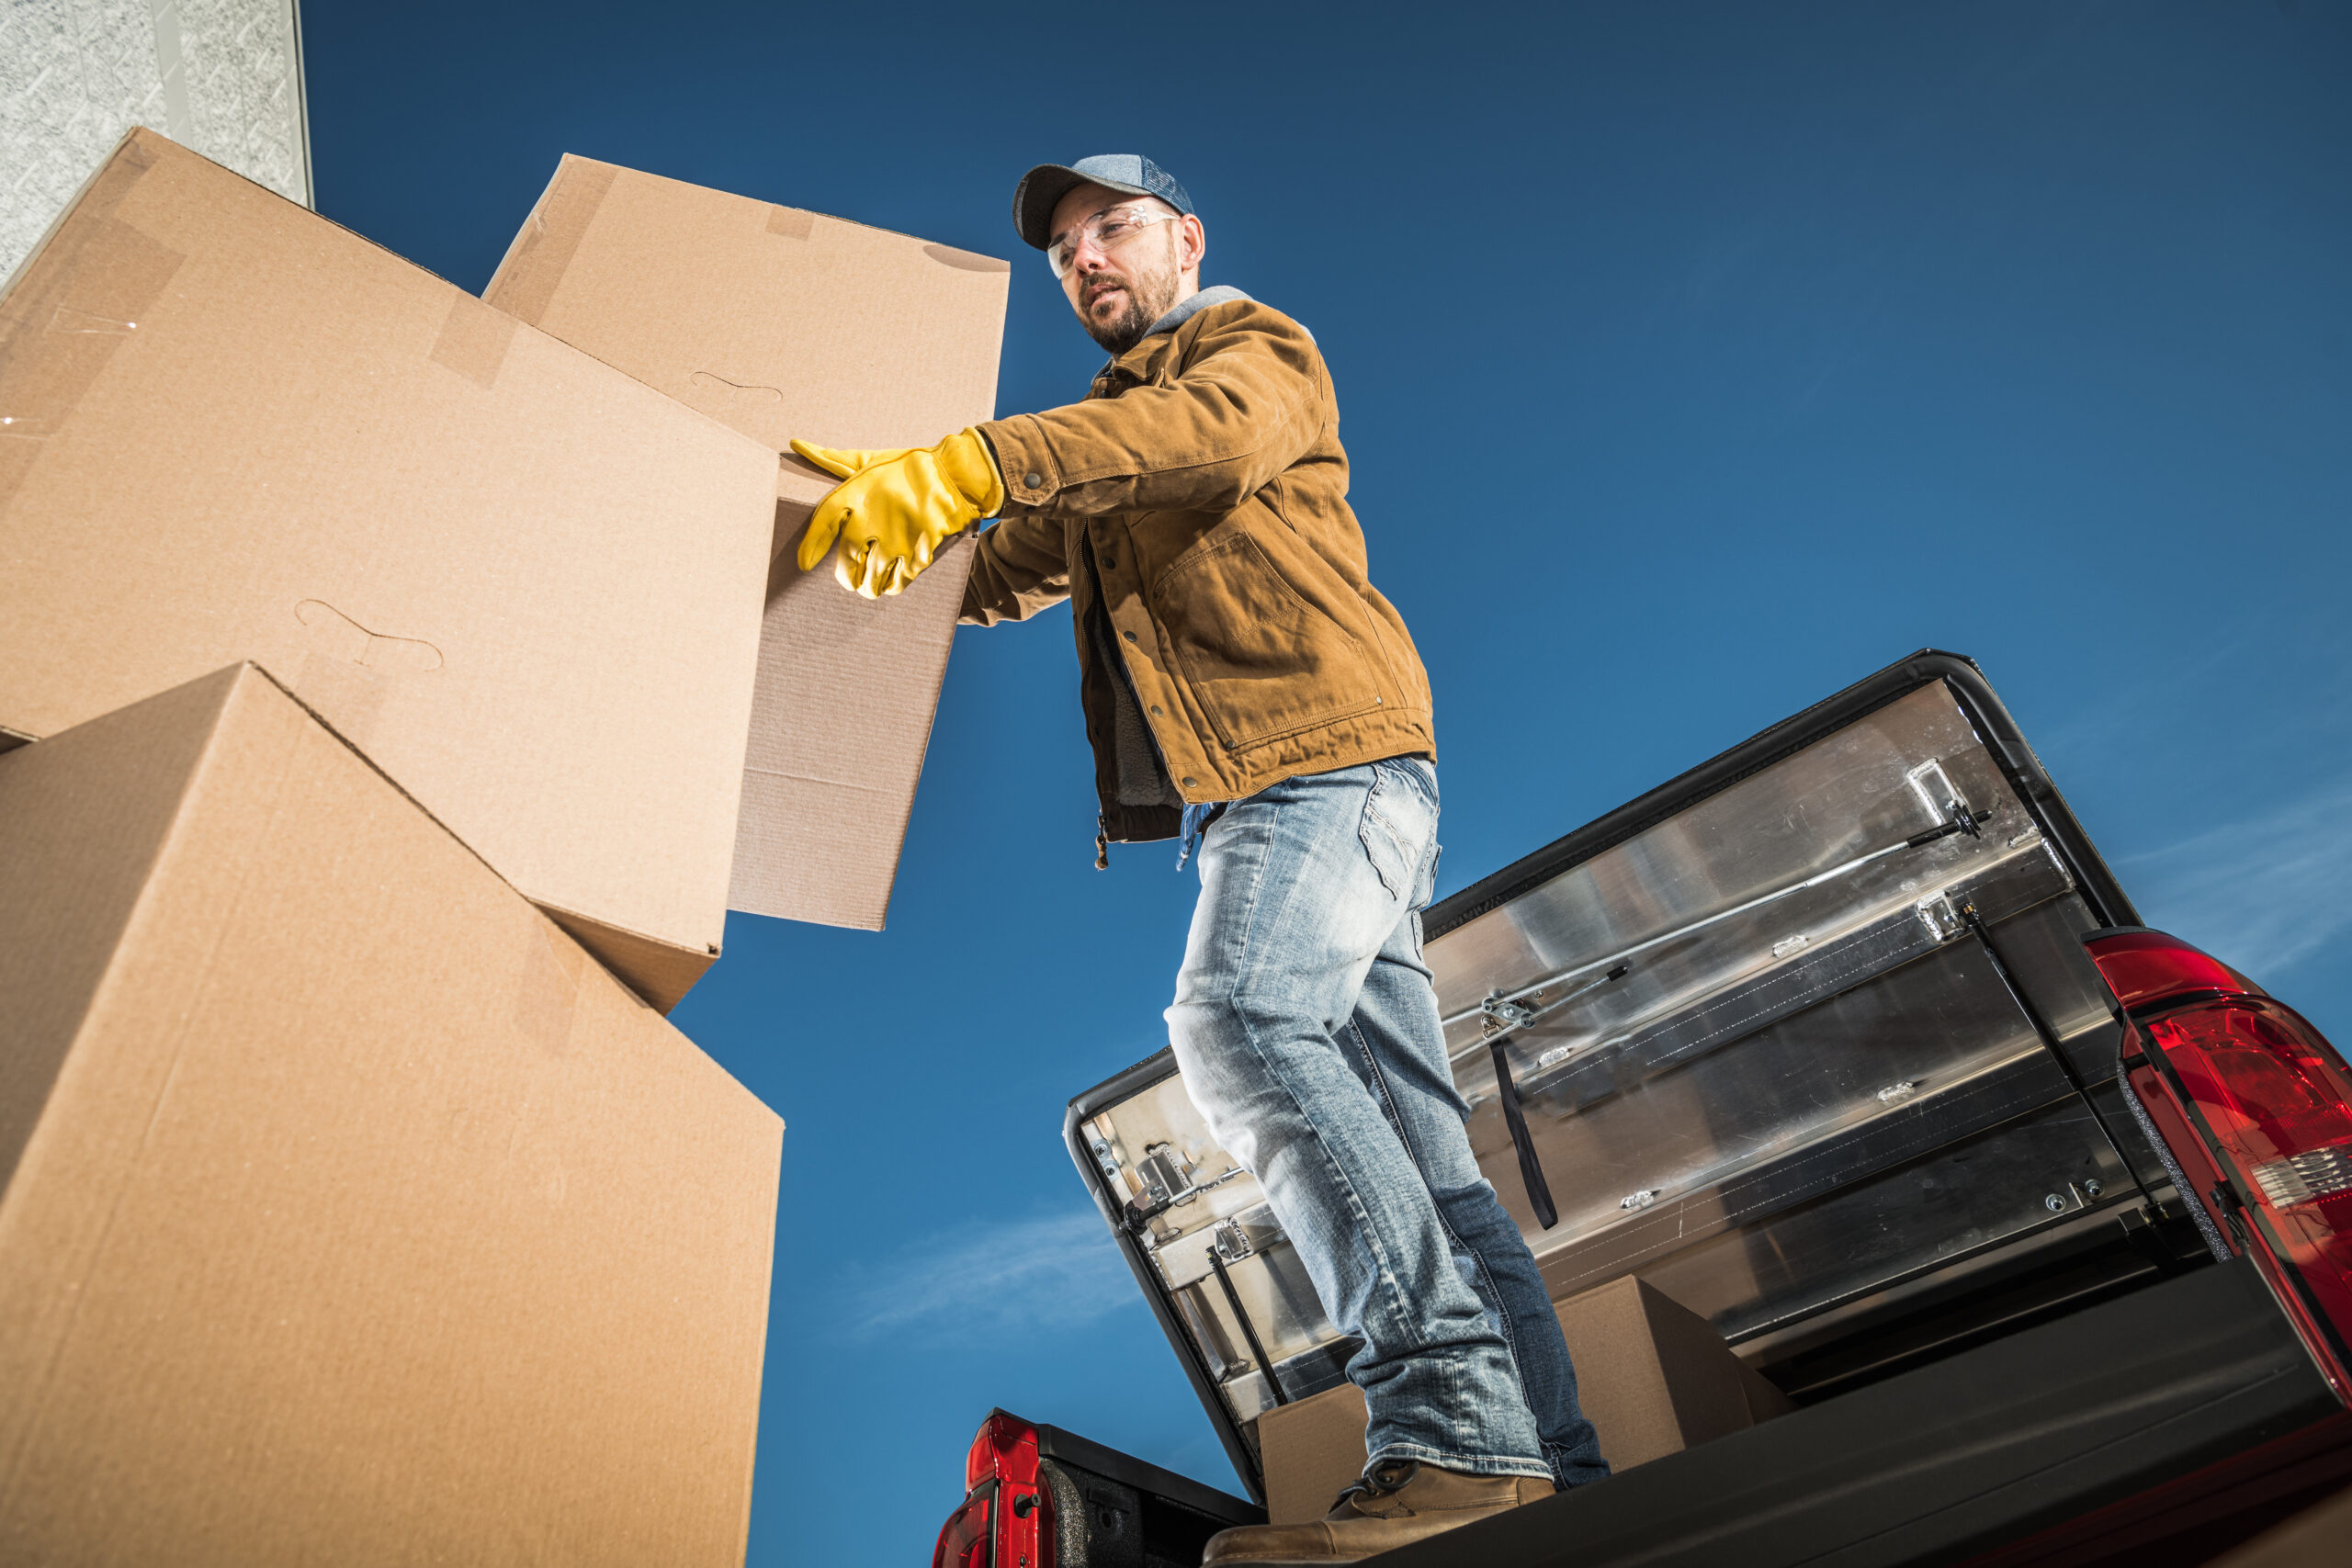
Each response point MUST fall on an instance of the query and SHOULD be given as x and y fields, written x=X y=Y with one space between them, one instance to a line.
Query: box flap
x=784 y=324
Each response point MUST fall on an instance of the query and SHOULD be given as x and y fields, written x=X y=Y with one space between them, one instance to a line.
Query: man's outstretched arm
x=1248 y=406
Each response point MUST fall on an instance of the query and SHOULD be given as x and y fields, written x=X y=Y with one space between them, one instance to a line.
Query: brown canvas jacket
x=1194 y=511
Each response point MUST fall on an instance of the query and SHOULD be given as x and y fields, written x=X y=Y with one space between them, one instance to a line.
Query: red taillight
x=2269 y=1099
x=2278 y=1101
x=964 y=1539
x=1006 y=1518
x=2145 y=966
x=1006 y=1447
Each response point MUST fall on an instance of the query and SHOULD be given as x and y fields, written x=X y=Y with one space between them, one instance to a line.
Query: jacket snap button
x=1156 y=713
x=1033 y=478
x=1129 y=636
x=1190 y=782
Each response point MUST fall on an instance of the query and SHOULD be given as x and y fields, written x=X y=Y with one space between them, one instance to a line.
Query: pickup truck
x=1849 y=1042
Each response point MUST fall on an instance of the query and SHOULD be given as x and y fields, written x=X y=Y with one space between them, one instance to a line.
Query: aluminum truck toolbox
x=1806 y=1039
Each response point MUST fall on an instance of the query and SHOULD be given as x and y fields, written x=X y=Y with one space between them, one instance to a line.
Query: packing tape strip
x=527 y=280
x=791 y=223
x=74 y=306
x=547 y=991
x=349 y=697
x=474 y=338
x=965 y=261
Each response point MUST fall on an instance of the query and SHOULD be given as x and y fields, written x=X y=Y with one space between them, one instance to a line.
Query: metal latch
x=1502 y=1013
x=1168 y=1181
x=1165 y=1174
x=1945 y=803
x=1245 y=1234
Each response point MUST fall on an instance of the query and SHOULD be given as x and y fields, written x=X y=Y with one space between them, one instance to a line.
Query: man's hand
x=894 y=509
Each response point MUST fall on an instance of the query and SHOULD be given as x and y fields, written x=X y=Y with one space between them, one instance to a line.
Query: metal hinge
x=1936 y=913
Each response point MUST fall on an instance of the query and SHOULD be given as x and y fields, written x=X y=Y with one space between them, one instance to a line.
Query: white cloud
x=2264 y=893
x=1051 y=1271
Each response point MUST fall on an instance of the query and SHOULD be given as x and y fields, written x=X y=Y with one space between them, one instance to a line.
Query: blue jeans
x=1307 y=1033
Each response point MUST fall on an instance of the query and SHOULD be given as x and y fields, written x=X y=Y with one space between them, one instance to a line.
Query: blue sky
x=1695 y=360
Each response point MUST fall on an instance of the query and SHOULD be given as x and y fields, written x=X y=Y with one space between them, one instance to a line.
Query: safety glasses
x=1106 y=230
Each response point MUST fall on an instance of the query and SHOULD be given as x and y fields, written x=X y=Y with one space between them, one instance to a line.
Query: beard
x=1152 y=294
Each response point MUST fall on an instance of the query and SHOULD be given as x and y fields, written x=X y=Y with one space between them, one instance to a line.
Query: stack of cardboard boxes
x=411 y=677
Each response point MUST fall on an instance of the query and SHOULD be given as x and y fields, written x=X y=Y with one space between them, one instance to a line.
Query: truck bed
x=1811 y=1041
x=2186 y=1403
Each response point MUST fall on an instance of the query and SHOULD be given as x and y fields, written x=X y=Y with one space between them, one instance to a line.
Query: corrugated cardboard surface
x=787 y=323
x=2319 y=1537
x=526 y=584
x=1653 y=1378
x=1310 y=1450
x=352 y=1212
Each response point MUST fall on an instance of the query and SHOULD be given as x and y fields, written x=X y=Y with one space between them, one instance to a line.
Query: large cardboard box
x=1653 y=1378
x=2315 y=1537
x=526 y=584
x=351 y=1213
x=787 y=323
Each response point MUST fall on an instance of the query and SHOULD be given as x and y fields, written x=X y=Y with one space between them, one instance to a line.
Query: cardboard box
x=2313 y=1539
x=1653 y=1378
x=787 y=323
x=525 y=584
x=351 y=1213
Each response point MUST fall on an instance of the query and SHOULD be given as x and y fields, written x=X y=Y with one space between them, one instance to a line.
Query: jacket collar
x=1201 y=299
x=1218 y=294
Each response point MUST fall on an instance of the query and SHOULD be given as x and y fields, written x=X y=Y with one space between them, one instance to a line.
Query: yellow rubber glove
x=894 y=509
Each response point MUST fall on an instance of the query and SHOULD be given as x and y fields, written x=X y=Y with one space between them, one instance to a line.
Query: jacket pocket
x=1259 y=660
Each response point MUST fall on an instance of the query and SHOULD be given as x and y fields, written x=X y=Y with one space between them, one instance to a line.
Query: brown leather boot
x=1398 y=1502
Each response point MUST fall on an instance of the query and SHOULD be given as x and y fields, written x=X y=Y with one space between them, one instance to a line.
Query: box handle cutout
x=339 y=635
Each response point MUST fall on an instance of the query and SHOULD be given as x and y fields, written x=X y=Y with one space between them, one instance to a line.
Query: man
x=1246 y=685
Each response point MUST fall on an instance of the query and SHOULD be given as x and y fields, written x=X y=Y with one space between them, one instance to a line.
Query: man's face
x=1119 y=294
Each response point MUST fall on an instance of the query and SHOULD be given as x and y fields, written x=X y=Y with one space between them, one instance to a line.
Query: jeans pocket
x=1399 y=819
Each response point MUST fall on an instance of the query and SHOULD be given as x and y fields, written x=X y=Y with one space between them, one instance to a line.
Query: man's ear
x=1196 y=243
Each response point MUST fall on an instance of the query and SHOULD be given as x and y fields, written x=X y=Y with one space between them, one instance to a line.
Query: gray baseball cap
x=1129 y=173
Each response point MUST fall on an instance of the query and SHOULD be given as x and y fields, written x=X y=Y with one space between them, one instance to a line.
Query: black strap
x=1531 y=1170
x=1248 y=1329
x=1977 y=928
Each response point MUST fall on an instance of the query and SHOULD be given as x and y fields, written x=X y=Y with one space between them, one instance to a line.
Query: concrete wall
x=223 y=77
